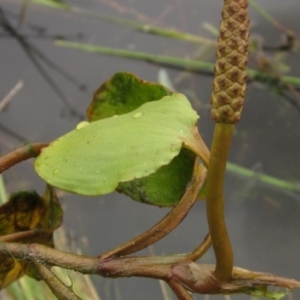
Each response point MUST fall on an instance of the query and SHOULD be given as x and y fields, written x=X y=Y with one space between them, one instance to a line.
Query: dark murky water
x=263 y=222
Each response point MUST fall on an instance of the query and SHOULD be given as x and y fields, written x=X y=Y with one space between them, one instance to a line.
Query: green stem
x=166 y=32
x=278 y=183
x=267 y=16
x=215 y=201
x=262 y=12
x=195 y=65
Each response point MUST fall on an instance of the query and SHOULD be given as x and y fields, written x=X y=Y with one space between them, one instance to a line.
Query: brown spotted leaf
x=27 y=212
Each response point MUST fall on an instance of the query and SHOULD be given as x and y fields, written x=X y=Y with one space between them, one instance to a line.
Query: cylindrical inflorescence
x=229 y=85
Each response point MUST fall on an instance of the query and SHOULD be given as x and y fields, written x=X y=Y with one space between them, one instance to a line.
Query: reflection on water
x=263 y=222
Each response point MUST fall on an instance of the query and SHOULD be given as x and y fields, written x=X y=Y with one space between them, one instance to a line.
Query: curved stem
x=200 y=250
x=17 y=155
x=180 y=292
x=169 y=222
x=58 y=288
x=215 y=201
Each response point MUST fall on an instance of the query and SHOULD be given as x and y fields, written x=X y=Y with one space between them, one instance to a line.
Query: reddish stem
x=20 y=154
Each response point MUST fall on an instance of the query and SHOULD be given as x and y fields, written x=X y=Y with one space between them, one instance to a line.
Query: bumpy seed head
x=229 y=85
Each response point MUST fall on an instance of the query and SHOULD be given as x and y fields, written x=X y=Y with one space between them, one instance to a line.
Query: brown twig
x=58 y=288
x=22 y=235
x=194 y=277
x=20 y=154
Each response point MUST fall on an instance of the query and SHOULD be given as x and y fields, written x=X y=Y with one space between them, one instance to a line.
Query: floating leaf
x=94 y=159
x=123 y=93
x=27 y=211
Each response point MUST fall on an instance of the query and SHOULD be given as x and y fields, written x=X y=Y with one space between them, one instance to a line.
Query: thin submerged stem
x=200 y=250
x=58 y=288
x=179 y=290
x=169 y=222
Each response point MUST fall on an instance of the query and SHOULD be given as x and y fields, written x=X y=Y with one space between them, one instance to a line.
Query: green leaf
x=123 y=93
x=164 y=187
x=94 y=159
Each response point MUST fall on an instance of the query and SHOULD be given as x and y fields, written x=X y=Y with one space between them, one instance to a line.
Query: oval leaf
x=94 y=159
x=121 y=94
